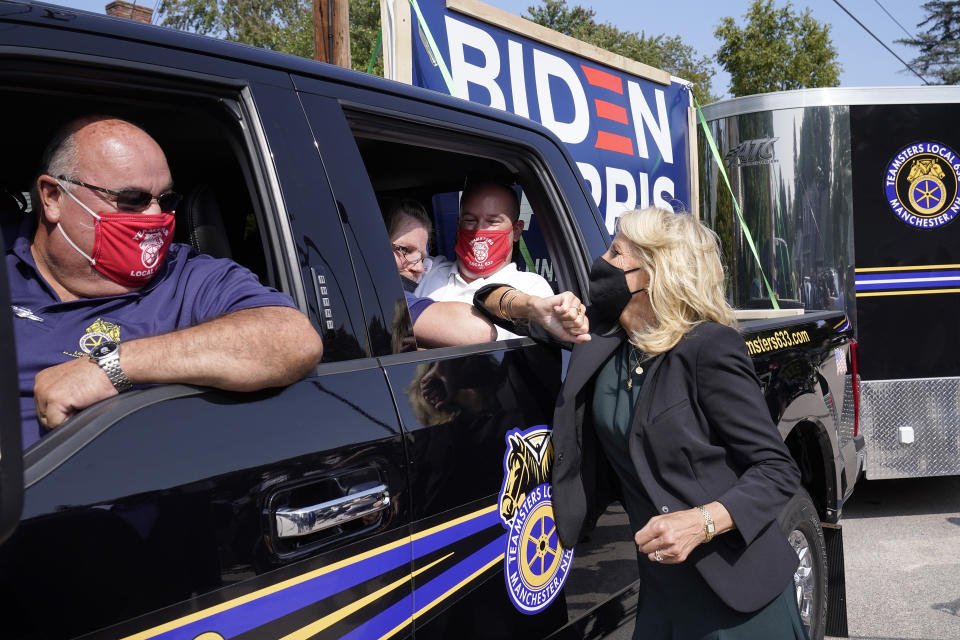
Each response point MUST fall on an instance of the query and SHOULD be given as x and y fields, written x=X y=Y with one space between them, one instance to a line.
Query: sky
x=865 y=62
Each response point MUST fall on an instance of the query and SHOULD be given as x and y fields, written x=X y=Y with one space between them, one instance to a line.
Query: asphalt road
x=901 y=541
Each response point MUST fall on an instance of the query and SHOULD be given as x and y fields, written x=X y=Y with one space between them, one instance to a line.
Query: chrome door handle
x=293 y=523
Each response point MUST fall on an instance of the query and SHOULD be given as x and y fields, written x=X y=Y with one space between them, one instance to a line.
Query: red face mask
x=128 y=248
x=483 y=251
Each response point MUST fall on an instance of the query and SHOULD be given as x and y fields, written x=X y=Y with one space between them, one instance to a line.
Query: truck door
x=11 y=461
x=183 y=512
x=475 y=417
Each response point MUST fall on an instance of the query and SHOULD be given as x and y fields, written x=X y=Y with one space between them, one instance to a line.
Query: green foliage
x=278 y=25
x=776 y=50
x=663 y=52
x=939 y=45
x=364 y=29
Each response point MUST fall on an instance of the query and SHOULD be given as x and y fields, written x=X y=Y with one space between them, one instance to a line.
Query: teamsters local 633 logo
x=150 y=243
x=535 y=564
x=99 y=332
x=481 y=249
x=921 y=184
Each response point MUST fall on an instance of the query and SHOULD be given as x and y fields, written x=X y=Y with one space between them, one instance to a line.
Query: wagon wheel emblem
x=540 y=553
x=539 y=543
x=92 y=340
x=927 y=195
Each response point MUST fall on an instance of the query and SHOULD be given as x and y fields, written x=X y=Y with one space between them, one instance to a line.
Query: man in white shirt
x=488 y=226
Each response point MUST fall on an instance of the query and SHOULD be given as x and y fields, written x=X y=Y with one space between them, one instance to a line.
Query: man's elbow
x=306 y=355
x=304 y=349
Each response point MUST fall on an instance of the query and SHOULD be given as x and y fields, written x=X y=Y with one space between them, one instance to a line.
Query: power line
x=909 y=35
x=882 y=43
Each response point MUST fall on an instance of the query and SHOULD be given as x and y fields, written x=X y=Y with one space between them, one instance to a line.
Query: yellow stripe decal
x=280 y=586
x=452 y=523
x=919 y=267
x=473 y=576
x=338 y=615
x=872 y=294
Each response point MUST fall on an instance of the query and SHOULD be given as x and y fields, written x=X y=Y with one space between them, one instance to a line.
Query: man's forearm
x=242 y=351
x=444 y=324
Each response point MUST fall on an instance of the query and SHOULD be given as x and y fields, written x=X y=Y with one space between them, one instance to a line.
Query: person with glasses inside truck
x=488 y=226
x=449 y=323
x=103 y=299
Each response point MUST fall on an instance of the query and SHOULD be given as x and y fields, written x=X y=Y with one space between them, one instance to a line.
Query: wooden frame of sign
x=397 y=53
x=534 y=31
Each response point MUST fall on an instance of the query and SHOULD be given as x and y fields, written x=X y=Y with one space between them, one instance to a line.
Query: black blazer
x=701 y=432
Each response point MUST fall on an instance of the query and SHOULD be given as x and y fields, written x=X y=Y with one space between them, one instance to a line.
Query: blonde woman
x=664 y=400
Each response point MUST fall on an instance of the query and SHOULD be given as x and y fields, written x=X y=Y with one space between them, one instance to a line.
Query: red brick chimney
x=130 y=10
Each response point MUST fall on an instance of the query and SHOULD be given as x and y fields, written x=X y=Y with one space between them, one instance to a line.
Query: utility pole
x=331 y=31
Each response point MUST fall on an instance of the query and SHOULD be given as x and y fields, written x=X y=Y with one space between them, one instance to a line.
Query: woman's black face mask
x=609 y=292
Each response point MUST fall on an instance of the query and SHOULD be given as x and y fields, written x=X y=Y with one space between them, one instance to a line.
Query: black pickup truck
x=345 y=505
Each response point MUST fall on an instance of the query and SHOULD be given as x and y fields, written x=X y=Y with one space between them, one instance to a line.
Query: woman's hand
x=675 y=535
x=563 y=315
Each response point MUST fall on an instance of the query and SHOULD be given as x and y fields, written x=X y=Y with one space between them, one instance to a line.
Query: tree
x=663 y=52
x=776 y=50
x=939 y=45
x=278 y=25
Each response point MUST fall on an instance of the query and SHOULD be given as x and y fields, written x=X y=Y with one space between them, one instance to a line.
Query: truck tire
x=801 y=524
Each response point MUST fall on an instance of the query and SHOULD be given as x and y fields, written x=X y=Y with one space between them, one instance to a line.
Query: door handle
x=293 y=523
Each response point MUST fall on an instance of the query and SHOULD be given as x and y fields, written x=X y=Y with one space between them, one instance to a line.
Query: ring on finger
x=657 y=556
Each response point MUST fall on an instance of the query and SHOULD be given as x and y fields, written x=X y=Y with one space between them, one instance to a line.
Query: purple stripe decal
x=907 y=280
x=249 y=615
x=399 y=613
x=448 y=536
x=424 y=594
x=384 y=622
x=263 y=610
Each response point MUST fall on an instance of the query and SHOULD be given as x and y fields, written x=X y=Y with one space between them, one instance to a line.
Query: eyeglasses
x=408 y=254
x=134 y=199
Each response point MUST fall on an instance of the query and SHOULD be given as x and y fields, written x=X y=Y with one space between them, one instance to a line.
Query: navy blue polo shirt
x=189 y=289
x=417 y=305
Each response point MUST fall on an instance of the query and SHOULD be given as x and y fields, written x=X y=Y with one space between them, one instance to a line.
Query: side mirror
x=11 y=448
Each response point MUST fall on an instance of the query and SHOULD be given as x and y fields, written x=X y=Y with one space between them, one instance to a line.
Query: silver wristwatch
x=107 y=355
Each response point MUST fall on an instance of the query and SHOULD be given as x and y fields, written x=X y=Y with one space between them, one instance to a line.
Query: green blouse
x=615 y=395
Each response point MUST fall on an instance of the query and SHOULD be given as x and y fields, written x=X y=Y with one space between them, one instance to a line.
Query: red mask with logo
x=128 y=248
x=483 y=251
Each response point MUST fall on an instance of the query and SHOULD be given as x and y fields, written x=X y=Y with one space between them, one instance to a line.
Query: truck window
x=232 y=206
x=401 y=166
x=218 y=215
x=229 y=209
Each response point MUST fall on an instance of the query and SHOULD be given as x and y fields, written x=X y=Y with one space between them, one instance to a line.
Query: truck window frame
x=157 y=90
x=517 y=157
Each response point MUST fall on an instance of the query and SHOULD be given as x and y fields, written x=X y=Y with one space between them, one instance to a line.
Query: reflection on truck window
x=795 y=203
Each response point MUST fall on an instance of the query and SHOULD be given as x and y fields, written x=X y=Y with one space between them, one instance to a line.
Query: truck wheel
x=801 y=524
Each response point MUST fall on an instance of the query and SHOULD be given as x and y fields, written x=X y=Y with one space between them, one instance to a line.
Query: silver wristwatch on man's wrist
x=107 y=356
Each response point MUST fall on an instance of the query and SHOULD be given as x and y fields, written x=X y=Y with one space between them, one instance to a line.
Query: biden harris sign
x=627 y=125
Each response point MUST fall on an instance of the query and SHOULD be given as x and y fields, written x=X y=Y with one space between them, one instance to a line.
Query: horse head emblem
x=527 y=465
x=925 y=167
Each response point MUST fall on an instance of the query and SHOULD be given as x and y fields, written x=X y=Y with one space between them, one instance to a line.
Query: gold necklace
x=635 y=366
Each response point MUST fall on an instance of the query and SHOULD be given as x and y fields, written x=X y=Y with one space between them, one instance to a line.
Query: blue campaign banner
x=629 y=135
